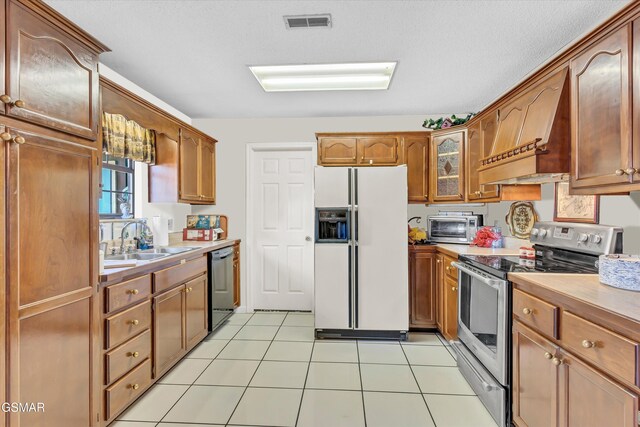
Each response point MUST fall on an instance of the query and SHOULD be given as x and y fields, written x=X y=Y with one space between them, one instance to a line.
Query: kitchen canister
x=620 y=271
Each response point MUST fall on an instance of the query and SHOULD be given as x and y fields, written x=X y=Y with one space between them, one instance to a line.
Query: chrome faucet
x=124 y=228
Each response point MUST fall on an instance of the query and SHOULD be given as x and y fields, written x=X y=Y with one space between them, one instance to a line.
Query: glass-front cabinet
x=446 y=167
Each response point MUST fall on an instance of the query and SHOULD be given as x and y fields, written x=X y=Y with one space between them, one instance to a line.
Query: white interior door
x=282 y=216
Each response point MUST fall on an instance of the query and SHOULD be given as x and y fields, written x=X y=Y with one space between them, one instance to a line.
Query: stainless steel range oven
x=484 y=302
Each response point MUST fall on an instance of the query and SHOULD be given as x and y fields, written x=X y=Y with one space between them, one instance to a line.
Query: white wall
x=622 y=211
x=234 y=134
x=143 y=209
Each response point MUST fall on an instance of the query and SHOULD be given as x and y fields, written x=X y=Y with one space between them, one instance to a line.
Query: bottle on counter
x=499 y=238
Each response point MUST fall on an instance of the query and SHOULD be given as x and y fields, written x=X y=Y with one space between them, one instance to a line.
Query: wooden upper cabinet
x=208 y=170
x=591 y=399
x=510 y=118
x=480 y=136
x=378 y=151
x=189 y=153
x=446 y=167
x=366 y=149
x=337 y=151
x=636 y=105
x=416 y=156
x=601 y=134
x=535 y=379
x=52 y=77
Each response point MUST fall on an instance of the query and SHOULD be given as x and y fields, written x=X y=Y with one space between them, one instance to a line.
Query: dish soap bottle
x=499 y=239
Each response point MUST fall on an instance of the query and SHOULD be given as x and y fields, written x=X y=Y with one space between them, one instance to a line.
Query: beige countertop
x=455 y=250
x=115 y=275
x=588 y=289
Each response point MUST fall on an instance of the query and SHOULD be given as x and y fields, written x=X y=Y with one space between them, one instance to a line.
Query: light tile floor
x=266 y=369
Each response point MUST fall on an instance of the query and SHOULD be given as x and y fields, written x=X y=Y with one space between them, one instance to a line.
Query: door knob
x=308 y=238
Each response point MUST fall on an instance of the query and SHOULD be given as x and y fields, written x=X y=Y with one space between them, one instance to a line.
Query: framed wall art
x=568 y=208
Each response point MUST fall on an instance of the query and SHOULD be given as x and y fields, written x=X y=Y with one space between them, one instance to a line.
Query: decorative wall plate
x=521 y=218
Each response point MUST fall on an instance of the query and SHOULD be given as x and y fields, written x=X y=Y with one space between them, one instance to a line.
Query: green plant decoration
x=446 y=122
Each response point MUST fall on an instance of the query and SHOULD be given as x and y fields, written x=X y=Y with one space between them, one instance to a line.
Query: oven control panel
x=591 y=238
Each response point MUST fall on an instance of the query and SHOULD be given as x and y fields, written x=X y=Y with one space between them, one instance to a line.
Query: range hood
x=533 y=138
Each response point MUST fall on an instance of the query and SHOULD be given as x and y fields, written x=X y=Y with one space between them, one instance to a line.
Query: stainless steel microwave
x=453 y=228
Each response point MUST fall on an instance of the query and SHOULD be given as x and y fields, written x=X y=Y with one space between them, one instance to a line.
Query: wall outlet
x=170 y=224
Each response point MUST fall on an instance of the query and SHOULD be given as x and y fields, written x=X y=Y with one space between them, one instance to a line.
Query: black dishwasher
x=220 y=286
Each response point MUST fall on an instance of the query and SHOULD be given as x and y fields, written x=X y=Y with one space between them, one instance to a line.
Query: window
x=117 y=186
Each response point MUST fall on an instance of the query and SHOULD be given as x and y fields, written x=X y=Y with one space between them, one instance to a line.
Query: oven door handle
x=494 y=283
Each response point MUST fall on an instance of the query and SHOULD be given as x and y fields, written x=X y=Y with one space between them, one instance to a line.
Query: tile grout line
x=419 y=388
x=304 y=386
x=364 y=409
x=192 y=384
x=256 y=371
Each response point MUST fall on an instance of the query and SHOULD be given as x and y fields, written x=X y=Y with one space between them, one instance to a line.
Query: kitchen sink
x=169 y=250
x=136 y=256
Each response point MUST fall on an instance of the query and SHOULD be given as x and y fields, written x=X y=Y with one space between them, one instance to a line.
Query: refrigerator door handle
x=349 y=184
x=355 y=286
x=355 y=248
x=350 y=285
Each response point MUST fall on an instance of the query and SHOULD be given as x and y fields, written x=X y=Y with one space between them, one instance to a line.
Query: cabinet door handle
x=453 y=288
x=133 y=292
x=556 y=361
x=548 y=355
x=5 y=99
x=631 y=171
x=134 y=386
x=134 y=322
x=619 y=172
x=133 y=354
x=18 y=103
x=588 y=344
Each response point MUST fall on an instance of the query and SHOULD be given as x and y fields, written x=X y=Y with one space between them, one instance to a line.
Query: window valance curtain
x=127 y=139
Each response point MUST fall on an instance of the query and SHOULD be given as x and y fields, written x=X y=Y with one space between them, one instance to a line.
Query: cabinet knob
x=631 y=171
x=18 y=103
x=527 y=311
x=453 y=288
x=588 y=344
x=134 y=322
x=448 y=268
x=5 y=99
x=548 y=355
x=133 y=292
x=134 y=386
x=19 y=140
x=134 y=354
x=190 y=289
x=5 y=136
x=556 y=361
x=619 y=172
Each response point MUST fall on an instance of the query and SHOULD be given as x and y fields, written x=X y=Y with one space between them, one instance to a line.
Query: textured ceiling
x=452 y=55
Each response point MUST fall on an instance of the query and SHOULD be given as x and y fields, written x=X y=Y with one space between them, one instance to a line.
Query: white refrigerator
x=361 y=276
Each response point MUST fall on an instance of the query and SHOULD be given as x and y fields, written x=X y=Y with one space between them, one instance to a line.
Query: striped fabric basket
x=620 y=271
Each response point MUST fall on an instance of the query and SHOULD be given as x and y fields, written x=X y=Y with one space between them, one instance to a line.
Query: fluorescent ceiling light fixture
x=316 y=77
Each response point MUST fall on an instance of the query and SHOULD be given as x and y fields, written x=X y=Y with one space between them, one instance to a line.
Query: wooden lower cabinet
x=450 y=318
x=168 y=330
x=195 y=311
x=559 y=384
x=588 y=398
x=236 y=275
x=422 y=286
x=535 y=379
x=439 y=285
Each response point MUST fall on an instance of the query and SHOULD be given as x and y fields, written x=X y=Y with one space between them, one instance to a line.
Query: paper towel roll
x=620 y=271
x=160 y=228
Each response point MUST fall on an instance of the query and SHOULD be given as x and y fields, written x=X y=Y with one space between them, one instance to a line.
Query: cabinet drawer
x=609 y=351
x=131 y=322
x=121 y=360
x=127 y=293
x=536 y=313
x=169 y=277
x=127 y=389
x=450 y=269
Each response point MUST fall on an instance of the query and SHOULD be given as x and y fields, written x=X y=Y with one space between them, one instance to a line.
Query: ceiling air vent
x=307 y=21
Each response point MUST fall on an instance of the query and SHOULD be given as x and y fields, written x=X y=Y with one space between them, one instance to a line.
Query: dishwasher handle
x=221 y=254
